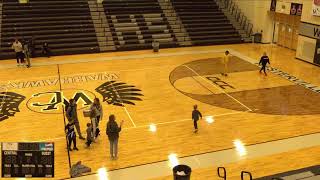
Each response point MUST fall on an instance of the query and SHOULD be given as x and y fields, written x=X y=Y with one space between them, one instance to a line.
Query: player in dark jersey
x=264 y=61
x=71 y=136
x=196 y=115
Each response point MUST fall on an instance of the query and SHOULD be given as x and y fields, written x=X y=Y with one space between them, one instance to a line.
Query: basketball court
x=154 y=94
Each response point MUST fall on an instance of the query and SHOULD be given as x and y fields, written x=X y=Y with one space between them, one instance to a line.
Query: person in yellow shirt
x=226 y=59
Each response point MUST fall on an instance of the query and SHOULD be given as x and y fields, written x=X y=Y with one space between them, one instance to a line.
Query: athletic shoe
x=82 y=138
x=75 y=148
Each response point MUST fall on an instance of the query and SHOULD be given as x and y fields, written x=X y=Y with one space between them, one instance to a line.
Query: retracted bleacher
x=135 y=24
x=205 y=23
x=66 y=25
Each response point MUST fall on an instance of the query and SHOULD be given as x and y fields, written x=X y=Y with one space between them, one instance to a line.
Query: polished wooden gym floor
x=161 y=89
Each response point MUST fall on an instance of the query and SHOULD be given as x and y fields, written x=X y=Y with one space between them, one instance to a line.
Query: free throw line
x=218 y=88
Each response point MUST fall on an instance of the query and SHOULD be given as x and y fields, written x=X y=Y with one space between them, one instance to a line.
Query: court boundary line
x=253 y=144
x=124 y=57
x=79 y=74
x=64 y=120
x=123 y=105
x=161 y=123
x=278 y=72
x=218 y=88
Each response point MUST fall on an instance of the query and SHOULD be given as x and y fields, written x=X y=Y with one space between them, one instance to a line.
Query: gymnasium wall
x=257 y=12
x=307 y=13
x=306 y=46
x=283 y=6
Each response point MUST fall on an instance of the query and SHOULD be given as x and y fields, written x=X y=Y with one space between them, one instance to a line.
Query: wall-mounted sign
x=316 y=8
x=23 y=1
x=273 y=5
x=296 y=9
x=316 y=58
x=309 y=30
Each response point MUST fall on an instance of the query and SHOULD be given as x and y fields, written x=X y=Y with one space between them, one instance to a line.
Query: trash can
x=257 y=37
x=181 y=172
x=155 y=46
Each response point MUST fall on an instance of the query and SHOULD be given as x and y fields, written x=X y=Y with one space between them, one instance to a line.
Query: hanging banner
x=316 y=8
x=273 y=5
x=316 y=58
x=309 y=30
x=296 y=9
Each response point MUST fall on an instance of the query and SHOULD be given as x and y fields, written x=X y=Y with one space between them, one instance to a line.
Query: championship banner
x=296 y=9
x=309 y=30
x=316 y=58
x=23 y=1
x=316 y=8
x=273 y=5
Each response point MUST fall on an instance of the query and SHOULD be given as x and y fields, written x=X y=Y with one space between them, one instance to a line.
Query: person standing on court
x=89 y=135
x=26 y=49
x=196 y=115
x=17 y=46
x=113 y=131
x=264 y=61
x=71 y=136
x=226 y=59
x=96 y=113
x=72 y=115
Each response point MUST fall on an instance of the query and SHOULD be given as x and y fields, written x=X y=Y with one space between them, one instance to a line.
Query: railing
x=238 y=14
x=222 y=173
x=243 y=173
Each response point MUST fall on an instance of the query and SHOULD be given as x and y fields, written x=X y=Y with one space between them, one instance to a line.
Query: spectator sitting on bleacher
x=45 y=49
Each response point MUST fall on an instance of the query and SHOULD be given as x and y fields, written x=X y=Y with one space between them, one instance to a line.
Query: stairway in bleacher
x=205 y=23
x=135 y=24
x=177 y=27
x=66 y=25
x=101 y=26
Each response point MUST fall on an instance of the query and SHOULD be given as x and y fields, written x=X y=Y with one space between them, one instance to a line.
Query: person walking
x=71 y=136
x=96 y=113
x=196 y=115
x=226 y=59
x=113 y=131
x=264 y=61
x=17 y=46
x=72 y=115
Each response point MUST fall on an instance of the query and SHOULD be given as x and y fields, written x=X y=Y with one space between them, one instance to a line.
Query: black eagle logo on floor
x=119 y=93
x=9 y=104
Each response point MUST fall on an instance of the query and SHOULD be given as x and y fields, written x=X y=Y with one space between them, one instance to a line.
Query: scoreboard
x=27 y=160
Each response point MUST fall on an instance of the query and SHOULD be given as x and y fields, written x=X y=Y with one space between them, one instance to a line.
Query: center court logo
x=53 y=102
x=9 y=104
x=244 y=89
x=112 y=92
